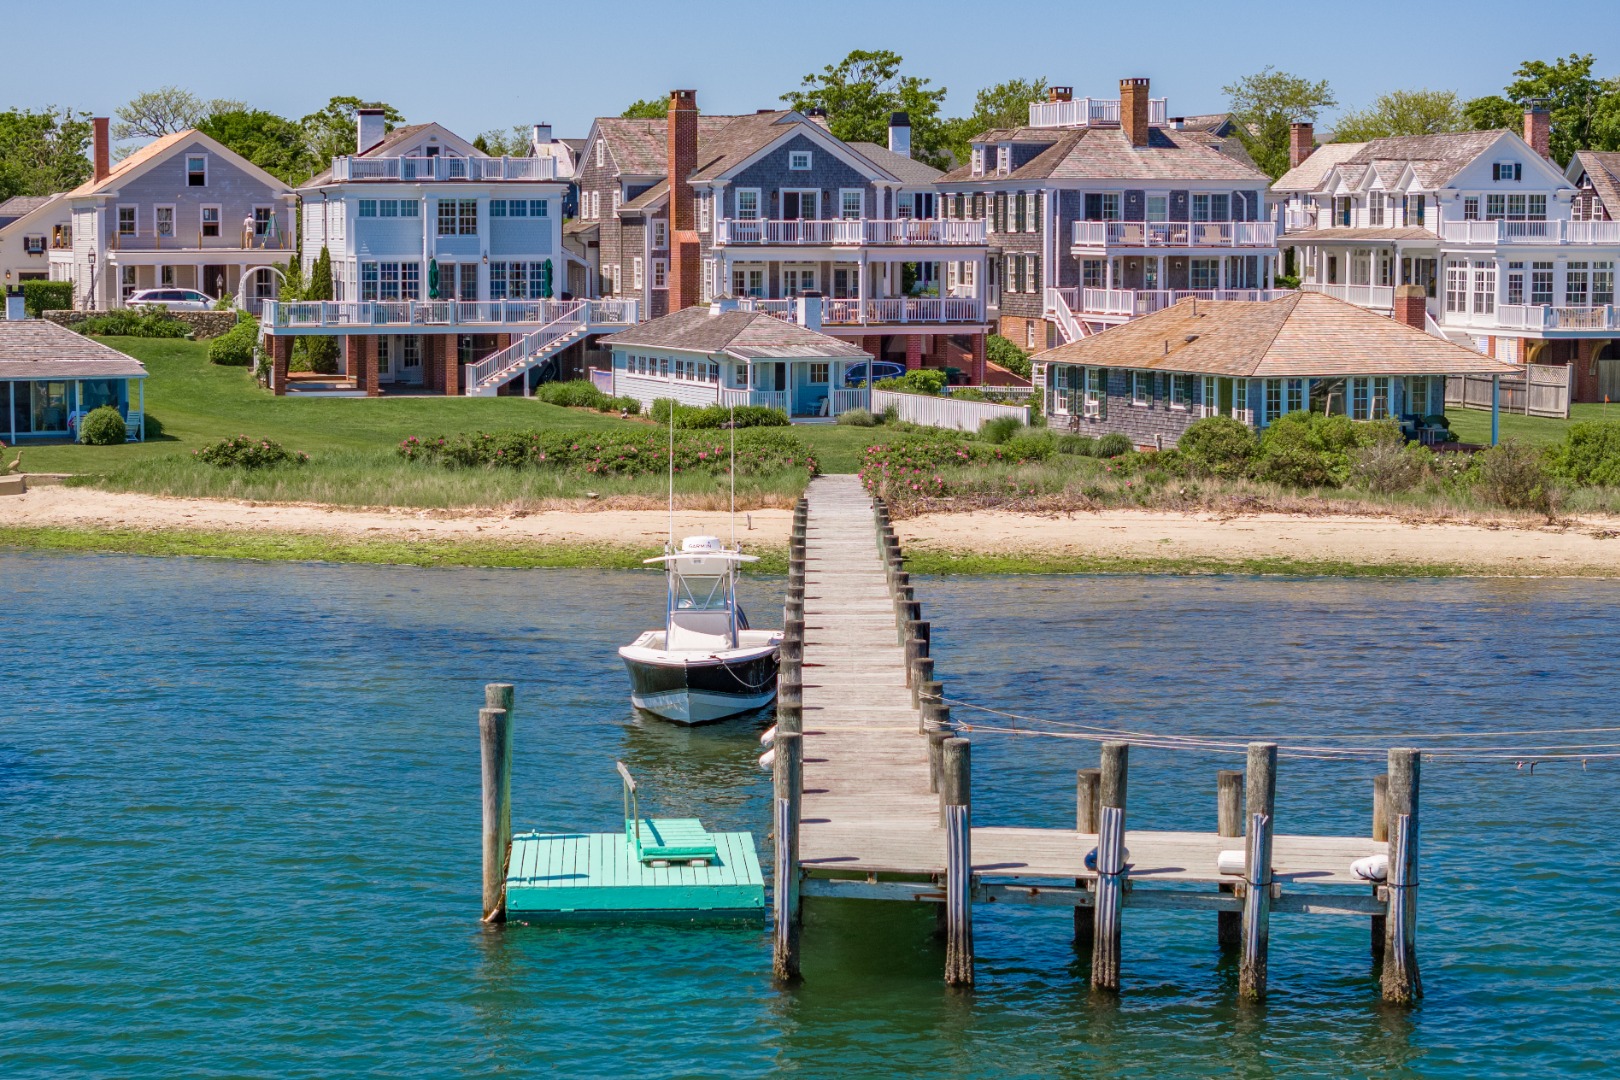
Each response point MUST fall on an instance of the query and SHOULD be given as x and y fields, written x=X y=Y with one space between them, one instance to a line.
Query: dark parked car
x=855 y=374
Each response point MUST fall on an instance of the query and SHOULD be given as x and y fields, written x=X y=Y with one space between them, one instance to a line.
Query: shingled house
x=1254 y=361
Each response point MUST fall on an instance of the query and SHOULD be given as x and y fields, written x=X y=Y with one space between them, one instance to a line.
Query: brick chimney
x=1538 y=128
x=1133 y=110
x=103 y=150
x=1301 y=142
x=684 y=263
x=1411 y=306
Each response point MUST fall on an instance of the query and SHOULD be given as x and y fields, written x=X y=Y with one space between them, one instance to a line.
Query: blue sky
x=479 y=64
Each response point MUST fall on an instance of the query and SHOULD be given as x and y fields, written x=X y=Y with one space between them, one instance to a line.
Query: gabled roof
x=653 y=196
x=1303 y=334
x=906 y=169
x=1600 y=167
x=746 y=136
x=641 y=147
x=40 y=349
x=158 y=150
x=400 y=134
x=1435 y=160
x=1104 y=153
x=18 y=205
x=1309 y=174
x=743 y=334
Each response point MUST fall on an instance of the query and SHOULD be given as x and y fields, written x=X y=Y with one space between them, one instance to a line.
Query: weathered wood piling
x=1260 y=785
x=1401 y=984
x=1228 y=822
x=495 y=743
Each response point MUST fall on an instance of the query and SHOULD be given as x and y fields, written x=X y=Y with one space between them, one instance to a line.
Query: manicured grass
x=1474 y=425
x=925 y=561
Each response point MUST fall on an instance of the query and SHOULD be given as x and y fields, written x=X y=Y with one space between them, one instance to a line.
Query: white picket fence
x=944 y=412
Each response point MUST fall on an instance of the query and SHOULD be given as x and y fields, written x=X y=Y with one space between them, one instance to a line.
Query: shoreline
x=88 y=520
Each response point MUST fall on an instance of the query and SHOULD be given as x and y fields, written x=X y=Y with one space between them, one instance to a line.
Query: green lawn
x=1474 y=425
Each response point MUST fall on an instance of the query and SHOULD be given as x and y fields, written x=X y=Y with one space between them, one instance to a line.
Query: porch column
x=140 y=390
x=981 y=370
x=11 y=411
x=1496 y=408
x=280 y=358
x=860 y=289
x=452 y=367
x=914 y=343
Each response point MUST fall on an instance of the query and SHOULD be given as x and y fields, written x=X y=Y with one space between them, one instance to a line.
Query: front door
x=214 y=281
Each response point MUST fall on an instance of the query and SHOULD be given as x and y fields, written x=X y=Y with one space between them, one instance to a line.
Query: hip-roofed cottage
x=50 y=377
x=1252 y=360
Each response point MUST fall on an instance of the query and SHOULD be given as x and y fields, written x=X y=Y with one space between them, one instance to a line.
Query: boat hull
x=697 y=691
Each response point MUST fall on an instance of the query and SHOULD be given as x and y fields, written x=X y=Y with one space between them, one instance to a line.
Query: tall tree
x=331 y=133
x=320 y=353
x=863 y=89
x=1402 y=112
x=498 y=143
x=273 y=143
x=164 y=111
x=43 y=152
x=647 y=109
x=1491 y=111
x=1265 y=103
x=1004 y=105
x=1580 y=103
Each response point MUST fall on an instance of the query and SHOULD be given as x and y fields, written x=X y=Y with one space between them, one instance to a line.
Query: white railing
x=1303 y=217
x=771 y=399
x=1101 y=234
x=1376 y=297
x=844 y=400
x=1088 y=112
x=485 y=375
x=852 y=232
x=317 y=314
x=1057 y=302
x=1530 y=232
x=1133 y=302
x=1545 y=317
x=444 y=167
x=846 y=311
x=611 y=312
x=944 y=412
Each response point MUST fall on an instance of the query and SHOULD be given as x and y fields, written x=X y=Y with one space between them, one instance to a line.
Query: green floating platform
x=668 y=868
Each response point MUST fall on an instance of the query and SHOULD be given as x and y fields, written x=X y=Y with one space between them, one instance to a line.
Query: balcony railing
x=770 y=399
x=853 y=232
x=340 y=314
x=1304 y=217
x=1546 y=317
x=878 y=312
x=444 y=167
x=1180 y=234
x=1088 y=112
x=1373 y=297
x=1131 y=303
x=1530 y=232
x=228 y=240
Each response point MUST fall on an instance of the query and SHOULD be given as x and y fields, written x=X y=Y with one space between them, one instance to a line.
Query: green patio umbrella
x=433 y=279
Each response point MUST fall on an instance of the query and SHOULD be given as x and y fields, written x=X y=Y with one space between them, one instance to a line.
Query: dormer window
x=1507 y=170
x=978 y=161
x=1003 y=160
x=1375 y=208
x=799 y=160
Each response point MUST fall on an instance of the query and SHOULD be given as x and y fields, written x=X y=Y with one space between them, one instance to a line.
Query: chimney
x=103 y=150
x=1133 y=110
x=1538 y=128
x=542 y=135
x=1177 y=123
x=1411 y=306
x=1060 y=93
x=722 y=304
x=369 y=129
x=808 y=308
x=684 y=264
x=1301 y=141
x=816 y=115
x=900 y=133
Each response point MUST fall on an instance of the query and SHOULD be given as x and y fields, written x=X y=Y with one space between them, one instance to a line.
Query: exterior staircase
x=536 y=348
x=1057 y=309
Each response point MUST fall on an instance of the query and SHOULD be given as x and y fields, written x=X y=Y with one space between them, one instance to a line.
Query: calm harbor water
x=239 y=817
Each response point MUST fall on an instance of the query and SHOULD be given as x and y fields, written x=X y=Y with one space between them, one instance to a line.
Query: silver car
x=172 y=299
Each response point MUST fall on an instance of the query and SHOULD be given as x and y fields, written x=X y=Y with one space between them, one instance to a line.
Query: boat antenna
x=734 y=475
x=670 y=547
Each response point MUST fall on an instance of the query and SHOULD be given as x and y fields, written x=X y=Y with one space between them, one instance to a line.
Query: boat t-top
x=706 y=664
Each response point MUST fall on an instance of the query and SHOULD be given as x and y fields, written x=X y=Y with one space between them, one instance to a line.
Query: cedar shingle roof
x=1408 y=232
x=741 y=333
x=40 y=349
x=641 y=147
x=651 y=197
x=740 y=139
x=1301 y=335
x=1308 y=174
x=1435 y=158
x=154 y=149
x=907 y=170
x=1104 y=153
x=1603 y=169
x=19 y=205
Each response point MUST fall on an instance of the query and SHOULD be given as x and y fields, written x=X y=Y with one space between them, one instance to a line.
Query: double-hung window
x=1417 y=395
x=747 y=204
x=126 y=221
x=1541 y=284
x=1456 y=286
x=1470 y=207
x=1602 y=284
x=1181 y=391
x=1415 y=207
x=210 y=221
x=1375 y=209
x=1515 y=283
x=1484 y=287
x=851 y=203
x=660 y=234
x=163 y=221
x=1141 y=387
x=1096 y=404
x=1093 y=273
x=660 y=273
x=1577 y=292
x=1495 y=207
x=635 y=272
x=705 y=201
x=1535 y=208
x=458 y=217
x=261 y=220
x=197 y=170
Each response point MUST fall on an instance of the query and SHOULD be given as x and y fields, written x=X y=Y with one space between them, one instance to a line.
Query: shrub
x=711 y=417
x=857 y=417
x=1080 y=445
x=919 y=381
x=234 y=348
x=1386 y=467
x=245 y=453
x=1514 y=476
x=1304 y=449
x=574 y=394
x=103 y=426
x=636 y=453
x=1114 y=444
x=1006 y=353
x=1218 y=446
x=42 y=296
x=629 y=405
x=148 y=322
x=1589 y=454
x=891 y=414
x=999 y=429
x=968 y=393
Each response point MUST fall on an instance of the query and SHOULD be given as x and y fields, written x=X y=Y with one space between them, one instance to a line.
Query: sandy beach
x=1584 y=547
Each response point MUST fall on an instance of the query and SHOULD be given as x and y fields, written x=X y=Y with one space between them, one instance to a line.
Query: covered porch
x=866 y=288
x=51 y=377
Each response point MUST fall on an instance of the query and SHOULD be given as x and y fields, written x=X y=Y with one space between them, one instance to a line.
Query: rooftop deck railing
x=1131 y=303
x=338 y=314
x=443 y=167
x=1178 y=234
x=1530 y=232
x=851 y=232
x=1088 y=112
x=890 y=311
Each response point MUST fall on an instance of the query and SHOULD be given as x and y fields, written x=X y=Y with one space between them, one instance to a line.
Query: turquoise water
x=239 y=817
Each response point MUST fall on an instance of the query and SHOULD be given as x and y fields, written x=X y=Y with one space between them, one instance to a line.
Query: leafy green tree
x=273 y=143
x=1402 y=112
x=1585 y=110
x=1491 y=112
x=863 y=89
x=330 y=133
x=164 y=111
x=43 y=152
x=1004 y=105
x=320 y=353
x=647 y=109
x=1265 y=103
x=498 y=143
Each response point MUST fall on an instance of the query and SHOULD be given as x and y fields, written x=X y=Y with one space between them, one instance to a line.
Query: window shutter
x=1034 y=273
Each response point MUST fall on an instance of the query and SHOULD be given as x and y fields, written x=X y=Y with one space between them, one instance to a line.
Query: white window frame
x=844 y=195
x=134 y=217
x=660 y=234
x=978 y=161
x=157 y=216
x=601 y=156
x=635 y=272
x=758 y=204
x=269 y=212
x=197 y=157
x=705 y=204
x=1141 y=388
x=202 y=220
x=660 y=274
x=799 y=160
x=706 y=285
x=1003 y=159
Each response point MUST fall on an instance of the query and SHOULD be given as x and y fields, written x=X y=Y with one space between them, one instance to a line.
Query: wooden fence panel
x=1544 y=390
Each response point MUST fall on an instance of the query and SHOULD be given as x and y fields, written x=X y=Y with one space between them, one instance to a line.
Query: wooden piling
x=1260 y=783
x=1401 y=983
x=930 y=699
x=1107 y=901
x=788 y=786
x=495 y=744
x=922 y=674
x=1113 y=774
x=1228 y=822
x=1380 y=832
x=938 y=730
x=1087 y=789
x=957 y=770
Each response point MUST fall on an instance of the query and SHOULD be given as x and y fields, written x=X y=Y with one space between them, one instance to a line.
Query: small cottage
x=50 y=377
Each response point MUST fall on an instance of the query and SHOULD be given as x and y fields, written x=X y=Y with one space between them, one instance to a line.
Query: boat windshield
x=701 y=593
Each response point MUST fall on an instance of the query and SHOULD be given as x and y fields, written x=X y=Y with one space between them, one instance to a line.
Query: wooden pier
x=873 y=794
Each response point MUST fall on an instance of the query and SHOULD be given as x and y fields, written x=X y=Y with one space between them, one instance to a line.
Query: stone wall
x=204 y=324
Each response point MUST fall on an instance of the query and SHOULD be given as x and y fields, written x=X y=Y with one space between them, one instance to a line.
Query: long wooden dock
x=870 y=805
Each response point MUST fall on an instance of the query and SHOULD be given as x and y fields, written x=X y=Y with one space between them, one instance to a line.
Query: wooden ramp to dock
x=875 y=816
